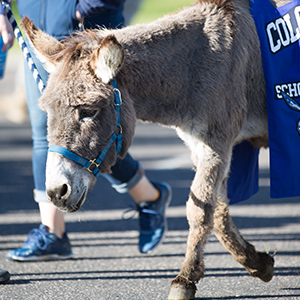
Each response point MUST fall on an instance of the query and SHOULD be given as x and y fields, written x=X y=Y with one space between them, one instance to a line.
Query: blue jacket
x=57 y=17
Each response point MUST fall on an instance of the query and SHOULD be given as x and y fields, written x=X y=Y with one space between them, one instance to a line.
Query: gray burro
x=198 y=71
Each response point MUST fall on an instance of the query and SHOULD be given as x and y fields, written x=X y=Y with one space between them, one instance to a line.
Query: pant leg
x=126 y=173
x=38 y=120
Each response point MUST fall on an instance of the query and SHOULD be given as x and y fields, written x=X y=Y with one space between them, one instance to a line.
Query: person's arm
x=6 y=30
x=90 y=7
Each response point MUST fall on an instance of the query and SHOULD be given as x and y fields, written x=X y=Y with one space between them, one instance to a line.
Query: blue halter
x=93 y=165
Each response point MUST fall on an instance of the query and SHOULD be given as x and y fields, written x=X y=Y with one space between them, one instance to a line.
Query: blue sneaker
x=42 y=245
x=153 y=223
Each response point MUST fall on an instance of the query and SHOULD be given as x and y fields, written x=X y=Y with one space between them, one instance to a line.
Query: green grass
x=151 y=10
x=15 y=12
x=148 y=11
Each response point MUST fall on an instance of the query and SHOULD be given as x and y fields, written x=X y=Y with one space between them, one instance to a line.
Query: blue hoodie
x=57 y=17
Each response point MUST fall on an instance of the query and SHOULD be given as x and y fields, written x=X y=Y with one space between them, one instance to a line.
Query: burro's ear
x=45 y=46
x=107 y=59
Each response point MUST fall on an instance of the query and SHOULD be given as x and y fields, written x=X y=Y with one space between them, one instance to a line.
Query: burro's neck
x=157 y=68
x=154 y=97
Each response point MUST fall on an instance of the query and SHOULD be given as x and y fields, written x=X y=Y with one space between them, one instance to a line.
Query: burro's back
x=203 y=65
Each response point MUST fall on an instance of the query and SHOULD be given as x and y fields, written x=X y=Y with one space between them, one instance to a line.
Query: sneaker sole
x=166 y=222
x=41 y=258
x=5 y=278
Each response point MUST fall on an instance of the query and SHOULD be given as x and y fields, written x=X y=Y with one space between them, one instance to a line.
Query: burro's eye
x=86 y=115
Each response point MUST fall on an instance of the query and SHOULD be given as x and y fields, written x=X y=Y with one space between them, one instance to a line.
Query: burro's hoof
x=268 y=272
x=265 y=270
x=178 y=292
x=268 y=275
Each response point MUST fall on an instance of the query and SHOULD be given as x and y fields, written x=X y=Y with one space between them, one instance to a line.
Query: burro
x=198 y=71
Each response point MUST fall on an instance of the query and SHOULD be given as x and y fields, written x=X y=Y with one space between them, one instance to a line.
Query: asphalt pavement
x=107 y=263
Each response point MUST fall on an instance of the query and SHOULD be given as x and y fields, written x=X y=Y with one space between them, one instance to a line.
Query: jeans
x=125 y=173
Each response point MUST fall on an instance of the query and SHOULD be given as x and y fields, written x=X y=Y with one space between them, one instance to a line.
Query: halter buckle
x=92 y=163
x=118 y=97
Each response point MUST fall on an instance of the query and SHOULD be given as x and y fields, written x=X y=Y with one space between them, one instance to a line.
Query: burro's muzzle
x=67 y=183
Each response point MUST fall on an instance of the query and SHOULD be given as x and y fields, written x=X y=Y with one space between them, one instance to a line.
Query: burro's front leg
x=258 y=264
x=211 y=170
x=200 y=216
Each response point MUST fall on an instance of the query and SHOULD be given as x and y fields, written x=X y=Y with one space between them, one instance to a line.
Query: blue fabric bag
x=243 y=176
x=279 y=33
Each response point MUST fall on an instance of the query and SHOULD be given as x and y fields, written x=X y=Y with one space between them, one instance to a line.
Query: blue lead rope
x=24 y=47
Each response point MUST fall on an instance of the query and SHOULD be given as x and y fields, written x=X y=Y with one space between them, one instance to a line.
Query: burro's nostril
x=63 y=191
x=59 y=193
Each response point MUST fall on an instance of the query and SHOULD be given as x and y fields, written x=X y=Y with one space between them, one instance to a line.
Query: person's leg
x=128 y=176
x=52 y=218
x=53 y=225
x=144 y=191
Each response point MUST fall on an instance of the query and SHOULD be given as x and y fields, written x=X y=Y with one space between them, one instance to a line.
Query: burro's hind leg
x=258 y=264
x=211 y=168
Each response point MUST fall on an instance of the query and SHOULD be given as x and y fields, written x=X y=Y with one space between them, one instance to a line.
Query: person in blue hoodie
x=50 y=241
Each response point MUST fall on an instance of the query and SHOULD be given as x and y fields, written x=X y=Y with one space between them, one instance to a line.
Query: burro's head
x=81 y=108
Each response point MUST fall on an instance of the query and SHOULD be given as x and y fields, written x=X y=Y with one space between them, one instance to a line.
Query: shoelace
x=137 y=209
x=38 y=237
x=147 y=220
